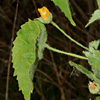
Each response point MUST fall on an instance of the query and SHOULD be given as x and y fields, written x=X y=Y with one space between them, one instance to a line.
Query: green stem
x=66 y=53
x=54 y=24
x=96 y=79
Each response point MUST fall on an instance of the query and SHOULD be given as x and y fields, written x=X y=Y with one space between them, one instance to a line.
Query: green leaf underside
x=95 y=16
x=24 y=55
x=40 y=45
x=94 y=57
x=64 y=6
x=41 y=42
x=82 y=69
x=98 y=2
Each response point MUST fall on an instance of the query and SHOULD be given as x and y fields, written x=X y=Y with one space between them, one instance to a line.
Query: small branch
x=9 y=62
x=80 y=10
x=44 y=74
x=63 y=95
x=66 y=53
x=58 y=78
x=54 y=24
x=34 y=3
x=55 y=68
x=46 y=80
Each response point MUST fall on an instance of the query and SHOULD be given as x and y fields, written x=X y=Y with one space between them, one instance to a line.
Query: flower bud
x=94 y=88
x=46 y=16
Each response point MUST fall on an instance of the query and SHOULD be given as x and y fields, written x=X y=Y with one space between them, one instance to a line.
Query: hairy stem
x=54 y=24
x=66 y=53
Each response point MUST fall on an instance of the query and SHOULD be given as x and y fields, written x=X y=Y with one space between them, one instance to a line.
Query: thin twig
x=79 y=10
x=35 y=7
x=44 y=74
x=58 y=78
x=9 y=62
x=48 y=81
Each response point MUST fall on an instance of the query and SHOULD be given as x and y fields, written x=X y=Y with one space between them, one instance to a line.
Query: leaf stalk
x=66 y=53
x=79 y=44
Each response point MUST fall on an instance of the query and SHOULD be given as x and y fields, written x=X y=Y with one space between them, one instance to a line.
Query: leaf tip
x=73 y=23
x=70 y=62
x=86 y=25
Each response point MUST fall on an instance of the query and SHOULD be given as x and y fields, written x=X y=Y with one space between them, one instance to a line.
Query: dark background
x=54 y=79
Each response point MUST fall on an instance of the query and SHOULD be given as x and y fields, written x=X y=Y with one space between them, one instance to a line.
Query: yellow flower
x=44 y=12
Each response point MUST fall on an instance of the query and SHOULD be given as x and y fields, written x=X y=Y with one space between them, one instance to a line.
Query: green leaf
x=94 y=61
x=64 y=6
x=25 y=54
x=98 y=1
x=95 y=16
x=94 y=45
x=94 y=57
x=82 y=69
